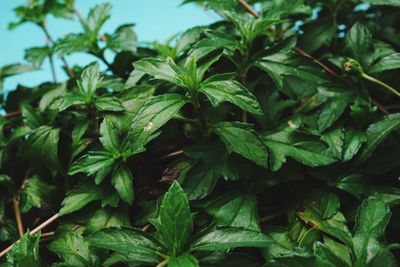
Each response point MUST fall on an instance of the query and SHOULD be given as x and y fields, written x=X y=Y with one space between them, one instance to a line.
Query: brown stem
x=37 y=229
x=18 y=218
x=249 y=8
x=172 y=154
x=12 y=114
x=146 y=227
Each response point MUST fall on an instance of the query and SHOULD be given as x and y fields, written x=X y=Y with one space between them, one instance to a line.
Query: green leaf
x=226 y=238
x=72 y=43
x=72 y=248
x=218 y=89
x=108 y=217
x=216 y=40
x=35 y=193
x=376 y=133
x=109 y=135
x=37 y=55
x=235 y=210
x=25 y=252
x=90 y=80
x=334 y=226
x=8 y=182
x=108 y=103
x=183 y=260
x=353 y=141
x=92 y=162
x=151 y=116
x=71 y=99
x=123 y=39
x=136 y=243
x=325 y=253
x=288 y=142
x=82 y=195
x=122 y=181
x=371 y=221
x=202 y=177
x=175 y=221
x=390 y=62
x=358 y=41
x=42 y=145
x=159 y=69
x=240 y=138
x=97 y=16
x=383 y=2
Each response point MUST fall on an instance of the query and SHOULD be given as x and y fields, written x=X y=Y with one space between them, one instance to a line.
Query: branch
x=12 y=114
x=48 y=36
x=37 y=229
x=18 y=218
x=249 y=8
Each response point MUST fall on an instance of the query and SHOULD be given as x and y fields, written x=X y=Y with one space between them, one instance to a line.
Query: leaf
x=371 y=221
x=358 y=41
x=106 y=218
x=226 y=238
x=90 y=80
x=35 y=193
x=159 y=69
x=42 y=144
x=138 y=244
x=109 y=135
x=175 y=221
x=6 y=181
x=73 y=250
x=108 y=103
x=72 y=99
x=325 y=253
x=383 y=2
x=97 y=16
x=122 y=181
x=123 y=39
x=218 y=90
x=353 y=141
x=334 y=226
x=183 y=260
x=202 y=177
x=216 y=40
x=235 y=210
x=240 y=138
x=25 y=252
x=376 y=133
x=390 y=62
x=92 y=162
x=288 y=142
x=72 y=43
x=151 y=116
x=37 y=55
x=82 y=195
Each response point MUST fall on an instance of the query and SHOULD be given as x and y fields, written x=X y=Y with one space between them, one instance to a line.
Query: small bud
x=352 y=65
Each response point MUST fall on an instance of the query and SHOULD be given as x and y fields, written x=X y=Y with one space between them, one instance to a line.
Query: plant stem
x=172 y=154
x=249 y=8
x=163 y=263
x=18 y=218
x=37 y=229
x=48 y=36
x=12 y=114
x=384 y=85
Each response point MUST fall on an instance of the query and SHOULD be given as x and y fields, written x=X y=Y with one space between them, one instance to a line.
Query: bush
x=269 y=138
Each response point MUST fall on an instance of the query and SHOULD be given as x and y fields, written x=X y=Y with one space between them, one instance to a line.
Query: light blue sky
x=154 y=19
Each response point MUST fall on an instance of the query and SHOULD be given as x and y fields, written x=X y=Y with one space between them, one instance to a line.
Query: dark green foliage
x=249 y=142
